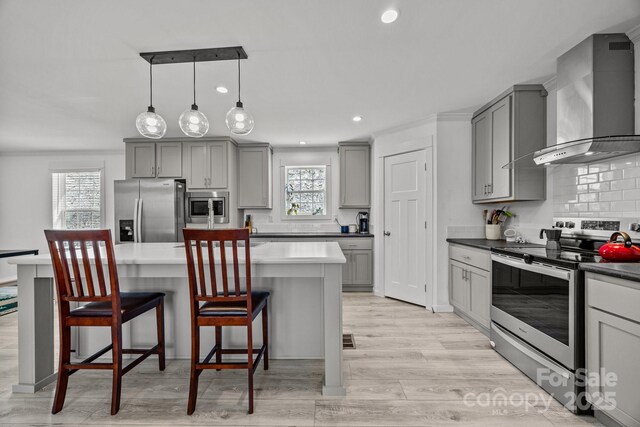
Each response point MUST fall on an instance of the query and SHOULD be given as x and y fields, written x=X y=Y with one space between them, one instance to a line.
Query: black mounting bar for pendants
x=197 y=55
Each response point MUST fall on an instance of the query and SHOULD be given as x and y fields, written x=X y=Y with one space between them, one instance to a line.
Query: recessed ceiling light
x=357 y=118
x=303 y=142
x=222 y=89
x=588 y=153
x=389 y=16
x=547 y=164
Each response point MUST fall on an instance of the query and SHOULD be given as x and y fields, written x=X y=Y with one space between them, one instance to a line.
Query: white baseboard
x=378 y=293
x=442 y=308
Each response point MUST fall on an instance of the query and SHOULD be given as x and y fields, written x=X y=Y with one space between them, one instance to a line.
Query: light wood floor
x=411 y=367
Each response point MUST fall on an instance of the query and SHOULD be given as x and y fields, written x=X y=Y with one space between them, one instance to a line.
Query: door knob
x=386 y=233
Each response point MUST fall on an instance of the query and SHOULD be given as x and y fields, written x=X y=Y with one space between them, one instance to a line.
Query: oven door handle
x=535 y=267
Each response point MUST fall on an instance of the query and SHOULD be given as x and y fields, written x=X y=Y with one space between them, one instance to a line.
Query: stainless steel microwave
x=197 y=206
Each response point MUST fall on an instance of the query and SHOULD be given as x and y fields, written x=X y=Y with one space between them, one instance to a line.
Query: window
x=305 y=191
x=77 y=199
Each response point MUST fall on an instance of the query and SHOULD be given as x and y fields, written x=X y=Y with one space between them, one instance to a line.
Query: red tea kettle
x=617 y=251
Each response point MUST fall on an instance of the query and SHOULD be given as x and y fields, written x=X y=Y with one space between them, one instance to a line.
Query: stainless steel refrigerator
x=149 y=210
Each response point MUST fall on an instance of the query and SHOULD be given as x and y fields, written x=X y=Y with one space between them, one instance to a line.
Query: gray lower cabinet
x=510 y=126
x=470 y=285
x=145 y=159
x=255 y=176
x=357 y=272
x=613 y=348
x=355 y=174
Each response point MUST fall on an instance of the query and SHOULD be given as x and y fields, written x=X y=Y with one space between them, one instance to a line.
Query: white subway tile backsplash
x=631 y=173
x=623 y=184
x=600 y=207
x=598 y=167
x=624 y=163
x=579 y=207
x=624 y=206
x=588 y=197
x=610 y=196
x=601 y=189
x=611 y=175
x=631 y=194
x=600 y=186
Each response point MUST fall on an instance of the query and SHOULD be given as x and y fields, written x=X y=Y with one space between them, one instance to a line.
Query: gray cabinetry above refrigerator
x=511 y=125
x=146 y=159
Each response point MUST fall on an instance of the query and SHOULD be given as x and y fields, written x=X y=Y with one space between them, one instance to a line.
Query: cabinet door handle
x=159 y=170
x=484 y=189
x=466 y=257
x=490 y=188
x=151 y=170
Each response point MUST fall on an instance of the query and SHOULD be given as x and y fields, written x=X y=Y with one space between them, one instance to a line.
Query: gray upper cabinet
x=510 y=126
x=153 y=159
x=255 y=172
x=206 y=164
x=355 y=174
x=169 y=160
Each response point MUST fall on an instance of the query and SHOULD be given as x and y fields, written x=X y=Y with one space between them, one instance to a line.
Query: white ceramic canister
x=492 y=231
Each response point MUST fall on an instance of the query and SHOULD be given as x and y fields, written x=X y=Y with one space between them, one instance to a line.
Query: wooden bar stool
x=222 y=308
x=104 y=306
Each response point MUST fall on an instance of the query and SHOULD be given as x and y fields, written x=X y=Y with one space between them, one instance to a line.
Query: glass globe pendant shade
x=150 y=124
x=239 y=121
x=193 y=123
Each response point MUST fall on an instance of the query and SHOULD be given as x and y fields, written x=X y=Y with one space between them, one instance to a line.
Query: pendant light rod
x=194 y=80
x=151 y=83
x=239 y=100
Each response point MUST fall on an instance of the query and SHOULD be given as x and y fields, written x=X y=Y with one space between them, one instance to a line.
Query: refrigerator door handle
x=139 y=230
x=135 y=221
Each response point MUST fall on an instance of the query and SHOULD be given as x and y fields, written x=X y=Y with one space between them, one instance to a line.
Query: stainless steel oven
x=536 y=322
x=197 y=206
x=536 y=302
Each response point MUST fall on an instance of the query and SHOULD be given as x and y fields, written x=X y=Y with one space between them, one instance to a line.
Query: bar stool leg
x=116 y=336
x=265 y=337
x=63 y=374
x=160 y=330
x=195 y=357
x=218 y=345
x=250 y=365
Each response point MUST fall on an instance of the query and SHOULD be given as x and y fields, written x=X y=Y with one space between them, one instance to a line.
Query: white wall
x=449 y=136
x=26 y=200
x=271 y=219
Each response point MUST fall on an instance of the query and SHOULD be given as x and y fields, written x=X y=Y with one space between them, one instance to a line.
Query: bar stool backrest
x=202 y=290
x=80 y=277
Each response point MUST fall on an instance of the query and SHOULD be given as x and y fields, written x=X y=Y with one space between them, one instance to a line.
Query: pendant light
x=149 y=123
x=239 y=121
x=192 y=122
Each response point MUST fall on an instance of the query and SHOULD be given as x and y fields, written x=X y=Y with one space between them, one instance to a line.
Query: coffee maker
x=363 y=222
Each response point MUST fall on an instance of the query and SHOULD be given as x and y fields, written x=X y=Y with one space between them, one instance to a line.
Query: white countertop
x=174 y=253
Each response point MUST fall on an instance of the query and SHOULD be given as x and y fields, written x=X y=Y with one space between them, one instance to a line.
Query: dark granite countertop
x=303 y=235
x=488 y=244
x=8 y=253
x=627 y=270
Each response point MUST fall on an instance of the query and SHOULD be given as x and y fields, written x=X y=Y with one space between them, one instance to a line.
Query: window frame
x=78 y=170
x=327 y=191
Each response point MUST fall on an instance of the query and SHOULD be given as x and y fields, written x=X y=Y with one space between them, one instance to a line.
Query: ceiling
x=71 y=77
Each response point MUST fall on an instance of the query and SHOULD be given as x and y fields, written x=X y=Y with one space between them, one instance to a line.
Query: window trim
x=72 y=169
x=327 y=189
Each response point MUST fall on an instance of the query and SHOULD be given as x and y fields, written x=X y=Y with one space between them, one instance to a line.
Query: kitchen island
x=305 y=307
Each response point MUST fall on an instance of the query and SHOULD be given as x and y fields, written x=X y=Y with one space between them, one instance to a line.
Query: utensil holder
x=492 y=231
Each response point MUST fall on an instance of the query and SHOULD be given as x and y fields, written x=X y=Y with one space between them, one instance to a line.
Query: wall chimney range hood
x=595 y=117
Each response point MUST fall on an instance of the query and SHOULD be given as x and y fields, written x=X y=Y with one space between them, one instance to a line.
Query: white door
x=405 y=227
